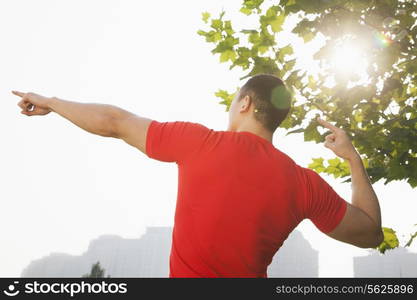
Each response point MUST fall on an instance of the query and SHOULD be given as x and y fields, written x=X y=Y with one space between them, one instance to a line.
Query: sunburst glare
x=349 y=60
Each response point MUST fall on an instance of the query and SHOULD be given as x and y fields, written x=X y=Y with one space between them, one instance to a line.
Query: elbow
x=374 y=240
x=115 y=122
x=109 y=127
x=380 y=237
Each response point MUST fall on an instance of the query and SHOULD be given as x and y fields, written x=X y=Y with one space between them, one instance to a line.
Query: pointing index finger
x=18 y=93
x=327 y=125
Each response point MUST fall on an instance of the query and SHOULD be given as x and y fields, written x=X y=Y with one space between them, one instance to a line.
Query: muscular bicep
x=133 y=130
x=337 y=218
x=357 y=228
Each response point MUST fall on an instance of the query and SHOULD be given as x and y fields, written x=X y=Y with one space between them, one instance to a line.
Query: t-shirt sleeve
x=322 y=205
x=174 y=141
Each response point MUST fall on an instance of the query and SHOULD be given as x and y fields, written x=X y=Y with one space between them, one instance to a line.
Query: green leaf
x=334 y=162
x=277 y=22
x=311 y=133
x=390 y=240
x=308 y=37
x=246 y=11
x=217 y=24
x=205 y=16
x=228 y=28
x=226 y=97
x=337 y=168
x=289 y=65
x=317 y=165
x=284 y=51
x=228 y=55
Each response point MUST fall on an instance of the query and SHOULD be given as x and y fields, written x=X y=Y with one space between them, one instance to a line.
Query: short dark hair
x=271 y=99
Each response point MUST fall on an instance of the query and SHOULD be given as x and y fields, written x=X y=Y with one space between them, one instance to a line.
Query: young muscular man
x=238 y=197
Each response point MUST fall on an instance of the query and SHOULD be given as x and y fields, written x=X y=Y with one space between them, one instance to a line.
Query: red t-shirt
x=238 y=199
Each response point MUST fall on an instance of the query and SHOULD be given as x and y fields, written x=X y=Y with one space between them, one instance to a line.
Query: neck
x=255 y=129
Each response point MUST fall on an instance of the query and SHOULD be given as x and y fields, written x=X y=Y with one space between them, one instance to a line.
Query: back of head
x=271 y=99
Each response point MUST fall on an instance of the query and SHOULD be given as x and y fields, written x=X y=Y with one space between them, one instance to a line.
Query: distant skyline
x=61 y=187
x=148 y=256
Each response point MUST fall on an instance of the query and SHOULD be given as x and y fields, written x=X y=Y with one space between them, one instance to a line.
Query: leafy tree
x=96 y=272
x=377 y=107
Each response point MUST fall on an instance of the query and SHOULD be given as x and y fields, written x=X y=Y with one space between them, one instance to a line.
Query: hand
x=33 y=104
x=338 y=141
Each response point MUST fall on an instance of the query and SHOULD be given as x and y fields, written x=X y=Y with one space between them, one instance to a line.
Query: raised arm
x=361 y=225
x=101 y=119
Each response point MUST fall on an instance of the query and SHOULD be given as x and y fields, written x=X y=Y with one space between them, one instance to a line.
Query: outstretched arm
x=361 y=225
x=101 y=119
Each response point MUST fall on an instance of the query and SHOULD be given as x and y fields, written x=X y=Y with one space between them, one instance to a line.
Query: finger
x=327 y=124
x=330 y=138
x=18 y=93
x=329 y=145
x=25 y=112
x=29 y=112
x=25 y=105
x=21 y=104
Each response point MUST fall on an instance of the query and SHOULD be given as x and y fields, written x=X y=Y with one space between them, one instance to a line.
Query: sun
x=349 y=60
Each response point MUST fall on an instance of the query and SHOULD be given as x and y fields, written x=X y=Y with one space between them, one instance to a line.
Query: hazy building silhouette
x=398 y=262
x=148 y=256
x=295 y=258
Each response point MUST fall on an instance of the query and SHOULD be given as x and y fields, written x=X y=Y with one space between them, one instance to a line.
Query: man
x=238 y=196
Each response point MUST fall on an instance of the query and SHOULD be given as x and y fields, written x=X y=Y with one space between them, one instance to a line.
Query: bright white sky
x=60 y=186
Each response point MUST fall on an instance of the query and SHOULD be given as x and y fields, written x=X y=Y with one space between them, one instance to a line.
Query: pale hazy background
x=60 y=186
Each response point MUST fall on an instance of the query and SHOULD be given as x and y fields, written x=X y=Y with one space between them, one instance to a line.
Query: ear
x=244 y=103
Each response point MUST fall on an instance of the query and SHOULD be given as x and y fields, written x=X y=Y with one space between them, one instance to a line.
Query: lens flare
x=381 y=40
x=281 y=97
